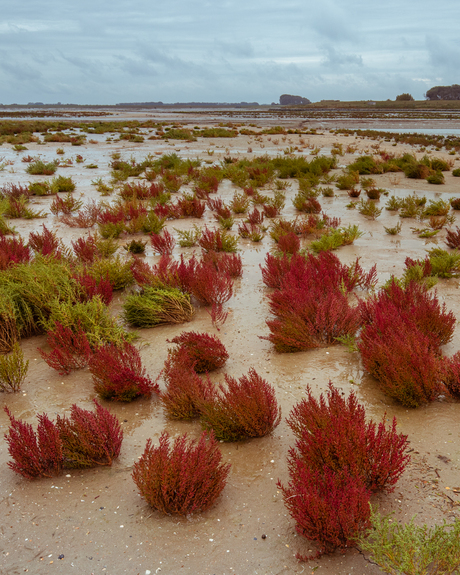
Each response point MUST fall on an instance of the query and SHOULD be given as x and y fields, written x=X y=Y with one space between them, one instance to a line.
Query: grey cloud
x=240 y=49
x=335 y=59
x=444 y=55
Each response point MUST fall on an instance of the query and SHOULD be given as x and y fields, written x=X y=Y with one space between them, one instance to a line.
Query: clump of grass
x=135 y=247
x=436 y=179
x=62 y=184
x=393 y=204
x=156 y=306
x=40 y=188
x=409 y=548
x=334 y=238
x=116 y=270
x=92 y=317
x=436 y=208
x=412 y=206
x=13 y=369
x=393 y=231
x=188 y=238
x=369 y=208
x=40 y=168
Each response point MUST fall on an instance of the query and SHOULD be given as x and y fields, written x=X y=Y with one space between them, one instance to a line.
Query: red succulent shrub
x=402 y=358
x=163 y=243
x=69 y=349
x=218 y=315
x=184 y=478
x=276 y=268
x=90 y=287
x=329 y=508
x=190 y=207
x=210 y=286
x=255 y=217
x=85 y=249
x=12 y=251
x=89 y=438
x=414 y=304
x=310 y=270
x=243 y=409
x=185 y=389
x=289 y=243
x=307 y=318
x=35 y=454
x=215 y=240
x=111 y=215
x=310 y=206
x=118 y=373
x=271 y=211
x=333 y=433
x=452 y=374
x=232 y=264
x=453 y=238
x=46 y=243
x=205 y=351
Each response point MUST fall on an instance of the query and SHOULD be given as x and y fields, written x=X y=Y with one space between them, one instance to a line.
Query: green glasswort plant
x=13 y=370
x=412 y=550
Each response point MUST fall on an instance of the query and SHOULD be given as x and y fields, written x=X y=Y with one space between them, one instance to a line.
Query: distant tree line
x=405 y=97
x=288 y=100
x=444 y=93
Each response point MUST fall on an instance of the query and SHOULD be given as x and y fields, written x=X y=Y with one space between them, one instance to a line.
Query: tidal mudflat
x=94 y=521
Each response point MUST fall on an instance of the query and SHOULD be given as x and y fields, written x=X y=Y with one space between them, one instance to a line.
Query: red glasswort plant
x=90 y=287
x=89 y=438
x=311 y=306
x=46 y=243
x=401 y=339
x=163 y=243
x=333 y=433
x=85 y=439
x=289 y=243
x=243 y=409
x=85 y=249
x=226 y=263
x=414 y=304
x=35 y=454
x=69 y=350
x=184 y=478
x=185 y=390
x=12 y=251
x=206 y=352
x=330 y=508
x=409 y=369
x=453 y=238
x=218 y=315
x=209 y=286
x=118 y=373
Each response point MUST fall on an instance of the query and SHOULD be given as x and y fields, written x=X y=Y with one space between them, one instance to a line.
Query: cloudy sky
x=111 y=51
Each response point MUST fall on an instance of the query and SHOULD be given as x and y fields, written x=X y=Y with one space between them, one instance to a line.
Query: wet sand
x=97 y=520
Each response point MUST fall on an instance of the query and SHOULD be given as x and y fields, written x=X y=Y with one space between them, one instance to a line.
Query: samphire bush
x=205 y=352
x=85 y=439
x=337 y=461
x=404 y=328
x=185 y=389
x=183 y=478
x=333 y=432
x=118 y=373
x=243 y=409
x=311 y=307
